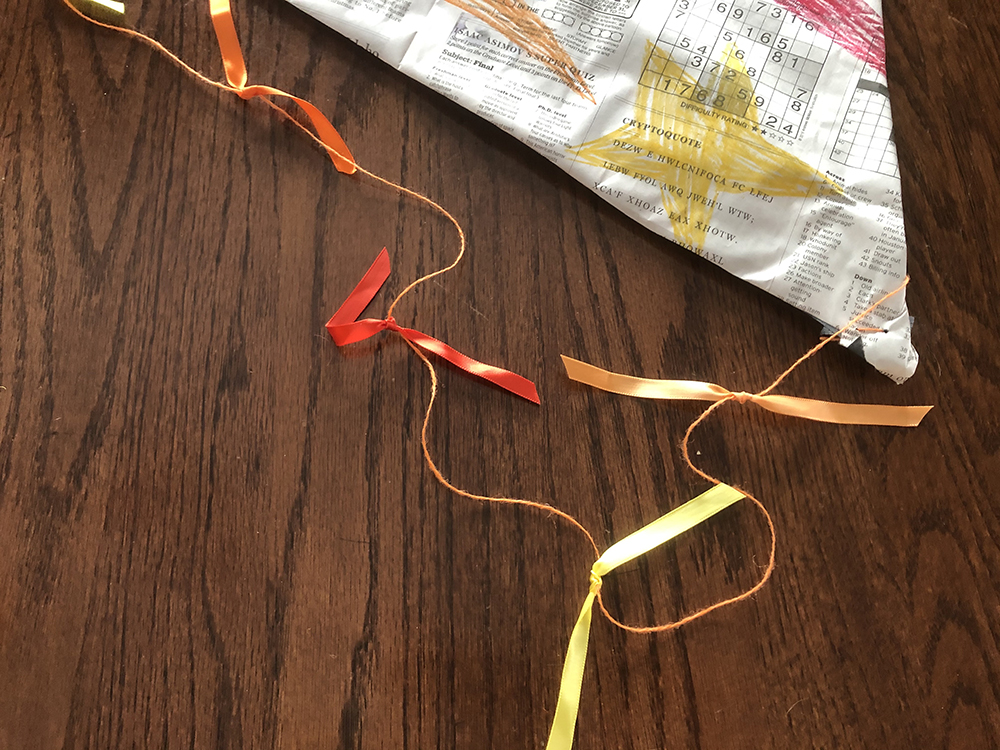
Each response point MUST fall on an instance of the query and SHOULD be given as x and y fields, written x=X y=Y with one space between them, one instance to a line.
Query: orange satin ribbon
x=693 y=390
x=236 y=74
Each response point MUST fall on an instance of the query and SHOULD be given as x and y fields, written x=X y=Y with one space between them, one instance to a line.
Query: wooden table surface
x=217 y=530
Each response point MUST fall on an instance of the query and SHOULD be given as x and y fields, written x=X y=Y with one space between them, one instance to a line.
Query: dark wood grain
x=217 y=530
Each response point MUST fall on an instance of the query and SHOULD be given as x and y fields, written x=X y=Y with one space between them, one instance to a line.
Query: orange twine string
x=426 y=277
x=742 y=398
x=471 y=495
x=438 y=475
x=148 y=40
x=739 y=397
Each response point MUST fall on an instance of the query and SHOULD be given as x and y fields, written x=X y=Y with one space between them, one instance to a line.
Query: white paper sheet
x=756 y=133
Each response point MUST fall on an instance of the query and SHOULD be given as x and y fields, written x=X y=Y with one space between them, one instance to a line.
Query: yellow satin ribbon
x=663 y=529
x=111 y=5
x=694 y=390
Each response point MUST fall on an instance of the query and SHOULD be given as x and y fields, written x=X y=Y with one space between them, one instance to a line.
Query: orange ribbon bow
x=792 y=406
x=236 y=74
x=345 y=328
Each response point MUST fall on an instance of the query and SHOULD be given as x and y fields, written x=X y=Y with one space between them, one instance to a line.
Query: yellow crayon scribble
x=695 y=152
x=525 y=29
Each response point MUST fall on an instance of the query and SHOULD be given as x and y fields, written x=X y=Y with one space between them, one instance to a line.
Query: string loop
x=648 y=537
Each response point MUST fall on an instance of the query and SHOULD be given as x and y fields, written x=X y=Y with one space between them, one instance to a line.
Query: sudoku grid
x=780 y=53
x=865 y=140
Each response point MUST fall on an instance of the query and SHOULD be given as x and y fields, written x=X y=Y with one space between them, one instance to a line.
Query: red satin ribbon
x=236 y=74
x=345 y=328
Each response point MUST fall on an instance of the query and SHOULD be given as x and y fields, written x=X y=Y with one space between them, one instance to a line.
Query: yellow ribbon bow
x=700 y=508
x=663 y=529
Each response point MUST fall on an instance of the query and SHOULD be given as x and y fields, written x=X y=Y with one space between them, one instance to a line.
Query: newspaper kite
x=755 y=133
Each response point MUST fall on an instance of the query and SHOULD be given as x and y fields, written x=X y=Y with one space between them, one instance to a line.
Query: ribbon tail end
x=112 y=5
x=581 y=372
x=345 y=164
x=341 y=154
x=509 y=381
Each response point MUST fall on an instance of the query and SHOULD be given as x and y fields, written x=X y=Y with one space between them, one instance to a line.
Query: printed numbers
x=780 y=61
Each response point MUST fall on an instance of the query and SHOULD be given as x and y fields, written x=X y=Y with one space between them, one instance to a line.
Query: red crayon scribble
x=852 y=24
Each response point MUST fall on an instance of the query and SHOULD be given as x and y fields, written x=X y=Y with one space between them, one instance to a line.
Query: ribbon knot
x=638 y=543
x=792 y=406
x=345 y=328
x=236 y=75
x=595 y=583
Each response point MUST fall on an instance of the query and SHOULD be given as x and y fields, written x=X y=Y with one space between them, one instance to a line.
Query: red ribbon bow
x=345 y=328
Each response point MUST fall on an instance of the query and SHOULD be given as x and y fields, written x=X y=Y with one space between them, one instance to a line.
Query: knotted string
x=663 y=529
x=792 y=406
x=824 y=411
x=700 y=508
x=328 y=138
x=236 y=75
x=345 y=328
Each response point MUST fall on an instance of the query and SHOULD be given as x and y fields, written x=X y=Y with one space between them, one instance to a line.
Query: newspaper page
x=755 y=133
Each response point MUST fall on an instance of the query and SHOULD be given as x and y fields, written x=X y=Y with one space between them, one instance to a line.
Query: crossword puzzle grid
x=782 y=55
x=865 y=139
